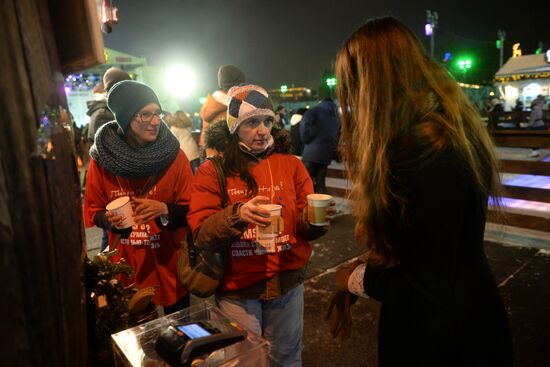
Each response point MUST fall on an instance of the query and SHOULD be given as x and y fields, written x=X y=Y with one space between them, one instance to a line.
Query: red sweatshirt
x=280 y=176
x=152 y=252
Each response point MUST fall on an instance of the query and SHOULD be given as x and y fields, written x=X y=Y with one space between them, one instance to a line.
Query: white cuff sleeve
x=355 y=281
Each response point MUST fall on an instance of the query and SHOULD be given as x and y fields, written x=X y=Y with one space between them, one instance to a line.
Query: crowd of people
x=421 y=164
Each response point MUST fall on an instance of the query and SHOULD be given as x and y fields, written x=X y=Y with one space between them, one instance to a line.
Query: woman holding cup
x=138 y=188
x=422 y=167
x=264 y=229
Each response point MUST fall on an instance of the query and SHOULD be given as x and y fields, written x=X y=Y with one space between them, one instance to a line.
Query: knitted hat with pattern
x=244 y=102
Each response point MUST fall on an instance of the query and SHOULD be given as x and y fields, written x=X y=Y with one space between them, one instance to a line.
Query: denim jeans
x=280 y=321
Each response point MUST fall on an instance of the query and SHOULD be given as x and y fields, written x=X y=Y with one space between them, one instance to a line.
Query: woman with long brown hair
x=422 y=167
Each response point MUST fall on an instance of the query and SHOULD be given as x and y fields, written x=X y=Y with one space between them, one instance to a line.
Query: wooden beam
x=524 y=221
x=527 y=193
x=521 y=138
x=525 y=167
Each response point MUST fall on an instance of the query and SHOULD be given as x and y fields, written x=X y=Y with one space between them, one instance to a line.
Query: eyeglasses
x=146 y=116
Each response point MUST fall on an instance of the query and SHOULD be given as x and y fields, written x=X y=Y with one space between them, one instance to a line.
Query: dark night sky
x=294 y=41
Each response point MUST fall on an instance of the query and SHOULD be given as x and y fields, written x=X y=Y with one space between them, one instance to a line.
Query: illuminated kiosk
x=136 y=346
x=78 y=86
x=524 y=77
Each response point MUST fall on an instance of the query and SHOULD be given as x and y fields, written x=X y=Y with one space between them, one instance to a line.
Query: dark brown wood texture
x=41 y=232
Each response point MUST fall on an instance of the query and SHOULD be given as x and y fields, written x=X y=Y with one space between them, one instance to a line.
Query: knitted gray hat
x=126 y=98
x=114 y=75
x=229 y=76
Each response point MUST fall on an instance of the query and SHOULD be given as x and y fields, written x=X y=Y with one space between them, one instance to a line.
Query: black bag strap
x=218 y=165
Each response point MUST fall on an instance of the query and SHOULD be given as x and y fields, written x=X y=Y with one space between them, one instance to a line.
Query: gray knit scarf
x=111 y=152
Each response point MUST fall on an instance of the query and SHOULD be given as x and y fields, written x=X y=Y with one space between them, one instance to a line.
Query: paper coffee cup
x=265 y=236
x=317 y=205
x=122 y=206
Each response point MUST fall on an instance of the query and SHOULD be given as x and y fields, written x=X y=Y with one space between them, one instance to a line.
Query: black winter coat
x=441 y=305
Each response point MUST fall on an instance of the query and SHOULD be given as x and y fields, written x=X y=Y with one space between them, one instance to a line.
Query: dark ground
x=523 y=275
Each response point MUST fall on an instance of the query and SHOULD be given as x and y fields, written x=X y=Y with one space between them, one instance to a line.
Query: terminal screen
x=193 y=331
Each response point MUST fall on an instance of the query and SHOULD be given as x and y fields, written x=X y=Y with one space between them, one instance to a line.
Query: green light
x=538 y=51
x=284 y=88
x=331 y=82
x=499 y=44
x=464 y=64
x=202 y=100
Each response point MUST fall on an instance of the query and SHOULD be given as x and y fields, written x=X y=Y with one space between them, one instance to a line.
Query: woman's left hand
x=147 y=209
x=343 y=273
x=331 y=212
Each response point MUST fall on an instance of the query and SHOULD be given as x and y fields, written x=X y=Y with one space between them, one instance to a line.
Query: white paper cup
x=317 y=205
x=265 y=236
x=122 y=206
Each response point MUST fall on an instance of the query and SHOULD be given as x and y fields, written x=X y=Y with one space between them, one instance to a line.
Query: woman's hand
x=339 y=309
x=343 y=273
x=116 y=220
x=251 y=212
x=331 y=212
x=146 y=210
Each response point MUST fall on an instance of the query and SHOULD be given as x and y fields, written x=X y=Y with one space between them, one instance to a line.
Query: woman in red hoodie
x=262 y=288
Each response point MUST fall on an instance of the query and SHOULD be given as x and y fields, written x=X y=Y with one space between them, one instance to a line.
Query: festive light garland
x=517 y=77
x=81 y=82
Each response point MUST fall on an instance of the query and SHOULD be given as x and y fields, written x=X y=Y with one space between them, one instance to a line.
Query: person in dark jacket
x=319 y=131
x=296 y=140
x=97 y=108
x=422 y=166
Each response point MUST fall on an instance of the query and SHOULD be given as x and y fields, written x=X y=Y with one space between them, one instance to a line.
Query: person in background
x=517 y=113
x=536 y=121
x=422 y=167
x=136 y=155
x=97 y=108
x=319 y=131
x=282 y=120
x=180 y=125
x=215 y=107
x=262 y=289
x=296 y=140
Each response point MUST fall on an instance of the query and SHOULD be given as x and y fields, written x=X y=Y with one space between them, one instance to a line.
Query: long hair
x=237 y=162
x=397 y=100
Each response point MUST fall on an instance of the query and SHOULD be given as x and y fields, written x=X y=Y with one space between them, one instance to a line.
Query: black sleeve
x=177 y=216
x=101 y=221
x=429 y=238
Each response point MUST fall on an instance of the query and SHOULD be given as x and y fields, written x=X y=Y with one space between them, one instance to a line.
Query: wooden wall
x=42 y=309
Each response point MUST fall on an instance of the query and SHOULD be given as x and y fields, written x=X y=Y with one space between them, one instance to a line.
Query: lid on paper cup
x=320 y=199
x=275 y=209
x=117 y=203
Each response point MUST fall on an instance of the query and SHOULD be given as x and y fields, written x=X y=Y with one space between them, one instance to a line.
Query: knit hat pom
x=114 y=75
x=229 y=76
x=126 y=98
x=244 y=102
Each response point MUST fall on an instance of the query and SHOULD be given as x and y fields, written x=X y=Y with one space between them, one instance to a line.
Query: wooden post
x=42 y=310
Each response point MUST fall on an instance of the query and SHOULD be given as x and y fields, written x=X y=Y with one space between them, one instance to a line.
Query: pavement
x=520 y=260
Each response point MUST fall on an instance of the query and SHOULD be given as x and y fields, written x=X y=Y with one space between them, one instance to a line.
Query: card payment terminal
x=179 y=344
